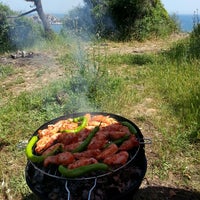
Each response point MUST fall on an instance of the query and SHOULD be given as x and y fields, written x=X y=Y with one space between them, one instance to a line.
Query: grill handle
x=145 y=141
x=89 y=193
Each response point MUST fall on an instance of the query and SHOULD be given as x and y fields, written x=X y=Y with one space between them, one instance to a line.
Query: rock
x=50 y=18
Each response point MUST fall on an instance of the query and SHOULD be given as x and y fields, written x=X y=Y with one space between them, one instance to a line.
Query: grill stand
x=89 y=193
x=129 y=177
x=42 y=185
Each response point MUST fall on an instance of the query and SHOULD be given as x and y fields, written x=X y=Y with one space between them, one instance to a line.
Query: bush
x=16 y=33
x=155 y=23
x=188 y=48
x=123 y=20
x=23 y=33
x=194 y=44
x=4 y=28
x=78 y=23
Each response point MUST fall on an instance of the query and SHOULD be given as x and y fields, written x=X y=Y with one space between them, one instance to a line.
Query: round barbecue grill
x=119 y=183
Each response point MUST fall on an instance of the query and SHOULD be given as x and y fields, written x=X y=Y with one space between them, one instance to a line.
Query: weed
x=118 y=84
x=131 y=59
x=6 y=70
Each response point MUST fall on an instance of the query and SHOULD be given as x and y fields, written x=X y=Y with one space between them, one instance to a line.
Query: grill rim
x=141 y=158
x=78 y=114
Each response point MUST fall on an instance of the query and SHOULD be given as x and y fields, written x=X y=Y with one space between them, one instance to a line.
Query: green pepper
x=36 y=158
x=86 y=142
x=78 y=119
x=29 y=151
x=118 y=141
x=79 y=171
x=79 y=128
x=130 y=127
x=121 y=140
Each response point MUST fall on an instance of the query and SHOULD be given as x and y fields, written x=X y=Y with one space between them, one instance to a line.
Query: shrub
x=123 y=20
x=16 y=33
x=188 y=48
x=194 y=43
x=23 y=33
x=155 y=23
x=4 y=28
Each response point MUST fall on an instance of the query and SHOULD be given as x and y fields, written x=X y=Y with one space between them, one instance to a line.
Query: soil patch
x=41 y=68
x=34 y=72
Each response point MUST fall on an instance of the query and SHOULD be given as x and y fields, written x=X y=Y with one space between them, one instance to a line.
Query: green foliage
x=194 y=42
x=23 y=33
x=4 y=28
x=179 y=85
x=186 y=49
x=130 y=19
x=174 y=75
x=131 y=59
x=154 y=23
x=88 y=23
x=179 y=52
x=17 y=33
x=178 y=75
x=78 y=22
x=94 y=84
x=6 y=71
x=112 y=83
x=49 y=35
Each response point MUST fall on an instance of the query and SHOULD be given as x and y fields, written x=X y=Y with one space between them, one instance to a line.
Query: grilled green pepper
x=130 y=127
x=79 y=128
x=36 y=158
x=79 y=171
x=86 y=142
x=29 y=151
x=121 y=140
x=118 y=141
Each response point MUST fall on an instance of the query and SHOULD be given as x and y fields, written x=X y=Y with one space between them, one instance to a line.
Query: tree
x=41 y=14
x=47 y=28
x=137 y=19
x=38 y=7
x=17 y=32
x=4 y=28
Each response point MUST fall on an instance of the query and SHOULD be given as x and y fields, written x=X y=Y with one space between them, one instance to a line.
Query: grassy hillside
x=159 y=91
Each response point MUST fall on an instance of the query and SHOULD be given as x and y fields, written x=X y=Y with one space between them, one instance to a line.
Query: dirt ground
x=41 y=68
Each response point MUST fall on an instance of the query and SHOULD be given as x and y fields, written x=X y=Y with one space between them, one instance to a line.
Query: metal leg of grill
x=89 y=193
x=92 y=188
x=68 y=191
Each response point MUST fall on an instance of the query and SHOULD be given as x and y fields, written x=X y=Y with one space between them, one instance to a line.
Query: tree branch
x=26 y=13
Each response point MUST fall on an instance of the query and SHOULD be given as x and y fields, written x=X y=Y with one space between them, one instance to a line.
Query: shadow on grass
x=162 y=193
x=153 y=193
x=30 y=197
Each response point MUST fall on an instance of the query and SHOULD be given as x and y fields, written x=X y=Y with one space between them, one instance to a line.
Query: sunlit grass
x=179 y=86
x=6 y=70
x=112 y=83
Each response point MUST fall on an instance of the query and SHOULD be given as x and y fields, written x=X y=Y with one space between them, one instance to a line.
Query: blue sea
x=186 y=22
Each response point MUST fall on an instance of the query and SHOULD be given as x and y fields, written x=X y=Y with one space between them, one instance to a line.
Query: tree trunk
x=42 y=16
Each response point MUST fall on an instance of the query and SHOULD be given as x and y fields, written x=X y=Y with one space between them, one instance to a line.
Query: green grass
x=6 y=71
x=179 y=85
x=112 y=83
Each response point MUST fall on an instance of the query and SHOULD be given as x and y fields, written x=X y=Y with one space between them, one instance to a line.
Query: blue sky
x=49 y=6
x=181 y=6
x=62 y=6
